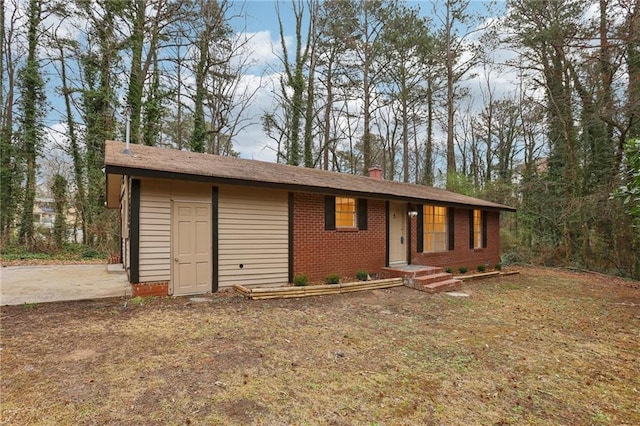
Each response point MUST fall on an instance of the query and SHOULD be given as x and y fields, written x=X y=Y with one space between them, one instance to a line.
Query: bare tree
x=10 y=176
x=458 y=26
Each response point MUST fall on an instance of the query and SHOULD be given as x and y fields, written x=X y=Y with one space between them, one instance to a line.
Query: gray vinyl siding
x=155 y=231
x=155 y=223
x=253 y=231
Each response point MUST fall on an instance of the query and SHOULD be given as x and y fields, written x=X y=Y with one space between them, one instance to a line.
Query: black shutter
x=484 y=229
x=215 y=243
x=291 y=222
x=329 y=213
x=420 y=229
x=451 y=228
x=362 y=214
x=471 y=228
x=386 y=233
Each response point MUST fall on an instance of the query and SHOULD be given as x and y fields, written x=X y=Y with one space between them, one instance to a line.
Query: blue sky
x=261 y=20
x=262 y=13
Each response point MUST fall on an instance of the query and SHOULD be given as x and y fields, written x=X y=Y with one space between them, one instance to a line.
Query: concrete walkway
x=55 y=283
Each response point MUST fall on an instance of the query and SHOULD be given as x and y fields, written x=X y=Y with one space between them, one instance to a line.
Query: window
x=434 y=228
x=345 y=212
x=478 y=228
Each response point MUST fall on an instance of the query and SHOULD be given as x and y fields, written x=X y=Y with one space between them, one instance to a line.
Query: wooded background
x=417 y=88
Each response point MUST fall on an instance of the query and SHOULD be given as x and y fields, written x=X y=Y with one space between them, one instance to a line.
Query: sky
x=260 y=23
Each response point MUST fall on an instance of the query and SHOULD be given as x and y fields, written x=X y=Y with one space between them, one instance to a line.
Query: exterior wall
x=318 y=253
x=155 y=223
x=253 y=236
x=462 y=255
x=154 y=288
x=155 y=231
x=253 y=231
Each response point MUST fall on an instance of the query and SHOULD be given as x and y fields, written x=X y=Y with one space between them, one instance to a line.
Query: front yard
x=543 y=347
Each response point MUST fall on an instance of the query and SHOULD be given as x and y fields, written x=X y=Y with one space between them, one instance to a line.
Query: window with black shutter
x=345 y=212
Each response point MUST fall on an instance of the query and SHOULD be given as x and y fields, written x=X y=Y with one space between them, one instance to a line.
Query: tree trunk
x=32 y=99
x=451 y=155
x=76 y=156
x=428 y=154
x=633 y=66
x=9 y=179
x=136 y=78
x=199 y=135
x=327 y=117
x=59 y=190
x=405 y=132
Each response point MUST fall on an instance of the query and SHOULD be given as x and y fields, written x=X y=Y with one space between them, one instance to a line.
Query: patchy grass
x=70 y=253
x=544 y=347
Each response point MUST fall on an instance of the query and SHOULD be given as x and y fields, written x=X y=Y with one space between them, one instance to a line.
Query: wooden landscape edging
x=484 y=275
x=289 y=292
x=315 y=290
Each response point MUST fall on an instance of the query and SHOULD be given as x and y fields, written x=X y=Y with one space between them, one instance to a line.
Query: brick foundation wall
x=462 y=255
x=150 y=289
x=318 y=253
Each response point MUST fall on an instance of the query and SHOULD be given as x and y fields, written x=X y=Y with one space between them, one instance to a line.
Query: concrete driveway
x=55 y=283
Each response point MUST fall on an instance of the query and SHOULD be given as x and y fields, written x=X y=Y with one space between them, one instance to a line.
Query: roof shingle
x=172 y=162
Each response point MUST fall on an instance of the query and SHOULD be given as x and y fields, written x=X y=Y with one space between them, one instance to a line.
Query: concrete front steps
x=431 y=279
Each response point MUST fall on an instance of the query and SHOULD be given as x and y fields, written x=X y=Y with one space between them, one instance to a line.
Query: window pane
x=428 y=242
x=477 y=229
x=345 y=212
x=434 y=228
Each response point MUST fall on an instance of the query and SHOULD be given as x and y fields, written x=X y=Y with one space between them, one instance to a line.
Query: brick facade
x=158 y=288
x=462 y=255
x=318 y=253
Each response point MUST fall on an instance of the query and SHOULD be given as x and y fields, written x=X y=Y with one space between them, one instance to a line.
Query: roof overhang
x=117 y=172
x=114 y=184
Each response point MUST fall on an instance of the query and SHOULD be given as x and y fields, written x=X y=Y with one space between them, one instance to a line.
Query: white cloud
x=263 y=50
x=251 y=142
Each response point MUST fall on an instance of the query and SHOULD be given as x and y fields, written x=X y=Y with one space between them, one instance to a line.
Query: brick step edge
x=390 y=272
x=433 y=278
x=452 y=284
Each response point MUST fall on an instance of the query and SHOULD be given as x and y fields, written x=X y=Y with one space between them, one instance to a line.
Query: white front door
x=192 y=270
x=397 y=235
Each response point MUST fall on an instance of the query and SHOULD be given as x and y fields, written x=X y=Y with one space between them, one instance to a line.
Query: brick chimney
x=375 y=172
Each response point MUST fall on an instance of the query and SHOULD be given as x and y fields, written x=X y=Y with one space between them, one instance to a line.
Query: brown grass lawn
x=544 y=347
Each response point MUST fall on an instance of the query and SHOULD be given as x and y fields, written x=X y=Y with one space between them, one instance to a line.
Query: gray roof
x=171 y=163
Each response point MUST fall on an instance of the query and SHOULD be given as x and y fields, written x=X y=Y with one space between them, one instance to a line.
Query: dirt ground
x=545 y=347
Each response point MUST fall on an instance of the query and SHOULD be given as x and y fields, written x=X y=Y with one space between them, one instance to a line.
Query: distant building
x=44 y=213
x=44 y=216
